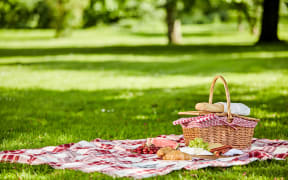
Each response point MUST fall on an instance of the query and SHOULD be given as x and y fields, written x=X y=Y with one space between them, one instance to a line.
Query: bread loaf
x=217 y=107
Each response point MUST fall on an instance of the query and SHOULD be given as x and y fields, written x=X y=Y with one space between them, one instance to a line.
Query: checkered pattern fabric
x=113 y=157
x=197 y=119
x=213 y=120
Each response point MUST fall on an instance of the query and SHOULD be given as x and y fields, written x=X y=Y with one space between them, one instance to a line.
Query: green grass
x=56 y=91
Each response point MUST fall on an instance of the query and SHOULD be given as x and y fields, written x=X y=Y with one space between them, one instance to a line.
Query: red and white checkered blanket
x=113 y=157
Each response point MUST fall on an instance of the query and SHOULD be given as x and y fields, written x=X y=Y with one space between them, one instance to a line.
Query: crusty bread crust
x=217 y=107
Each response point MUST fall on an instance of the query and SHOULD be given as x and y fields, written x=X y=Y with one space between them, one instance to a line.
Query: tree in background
x=250 y=10
x=270 y=18
x=45 y=14
x=177 y=10
x=114 y=11
x=107 y=11
x=104 y=11
x=17 y=13
x=173 y=22
x=64 y=15
x=67 y=14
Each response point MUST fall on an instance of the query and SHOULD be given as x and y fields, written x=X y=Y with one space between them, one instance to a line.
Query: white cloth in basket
x=237 y=108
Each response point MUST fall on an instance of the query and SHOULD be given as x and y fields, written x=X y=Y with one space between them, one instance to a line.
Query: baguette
x=217 y=107
x=167 y=153
x=176 y=155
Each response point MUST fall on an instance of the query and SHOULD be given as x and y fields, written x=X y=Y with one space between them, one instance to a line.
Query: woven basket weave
x=239 y=138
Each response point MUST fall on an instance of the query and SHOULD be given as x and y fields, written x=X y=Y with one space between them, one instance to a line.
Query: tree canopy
x=64 y=15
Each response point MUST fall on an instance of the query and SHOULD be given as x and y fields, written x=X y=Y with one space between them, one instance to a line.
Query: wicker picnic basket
x=230 y=133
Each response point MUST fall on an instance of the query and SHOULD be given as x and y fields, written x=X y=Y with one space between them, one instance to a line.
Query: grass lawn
x=115 y=83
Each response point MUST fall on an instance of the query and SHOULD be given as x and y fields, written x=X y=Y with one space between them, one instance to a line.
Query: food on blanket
x=177 y=155
x=217 y=153
x=154 y=144
x=214 y=145
x=161 y=142
x=144 y=149
x=162 y=151
x=233 y=152
x=216 y=148
x=195 y=151
x=221 y=150
x=198 y=143
x=167 y=153
x=217 y=107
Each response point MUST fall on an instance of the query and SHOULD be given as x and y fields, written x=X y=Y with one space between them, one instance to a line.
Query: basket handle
x=230 y=118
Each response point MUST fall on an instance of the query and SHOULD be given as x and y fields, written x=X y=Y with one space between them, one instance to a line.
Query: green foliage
x=67 y=14
x=17 y=13
x=202 y=11
x=59 y=14
x=111 y=11
x=45 y=14
x=251 y=10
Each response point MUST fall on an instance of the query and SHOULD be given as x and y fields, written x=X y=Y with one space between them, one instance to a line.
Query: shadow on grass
x=187 y=67
x=145 y=50
x=197 y=34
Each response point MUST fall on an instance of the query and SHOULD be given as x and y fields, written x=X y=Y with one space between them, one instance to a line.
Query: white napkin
x=233 y=152
x=237 y=108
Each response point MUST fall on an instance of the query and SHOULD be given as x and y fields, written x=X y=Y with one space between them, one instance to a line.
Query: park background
x=74 y=70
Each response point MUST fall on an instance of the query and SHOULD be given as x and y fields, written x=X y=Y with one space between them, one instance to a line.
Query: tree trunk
x=251 y=21
x=173 y=24
x=270 y=18
x=239 y=21
x=62 y=28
